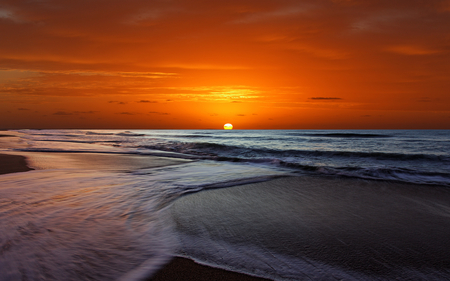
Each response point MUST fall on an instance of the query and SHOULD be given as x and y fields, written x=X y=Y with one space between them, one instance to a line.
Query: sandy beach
x=286 y=228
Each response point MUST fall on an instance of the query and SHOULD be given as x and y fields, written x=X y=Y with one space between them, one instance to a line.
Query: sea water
x=76 y=224
x=415 y=156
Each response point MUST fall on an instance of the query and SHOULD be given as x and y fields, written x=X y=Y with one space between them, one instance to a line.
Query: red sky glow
x=192 y=64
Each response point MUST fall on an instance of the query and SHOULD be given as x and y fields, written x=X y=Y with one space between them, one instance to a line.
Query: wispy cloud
x=159 y=113
x=63 y=113
x=68 y=113
x=9 y=15
x=126 y=113
x=412 y=50
x=325 y=98
x=279 y=13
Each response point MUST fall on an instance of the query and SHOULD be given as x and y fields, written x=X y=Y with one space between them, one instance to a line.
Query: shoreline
x=368 y=229
x=178 y=268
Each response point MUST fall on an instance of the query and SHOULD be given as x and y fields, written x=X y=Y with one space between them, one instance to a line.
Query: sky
x=197 y=64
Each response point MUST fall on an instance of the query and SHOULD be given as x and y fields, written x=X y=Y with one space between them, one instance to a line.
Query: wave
x=348 y=135
x=192 y=136
x=99 y=134
x=222 y=150
x=129 y=134
x=390 y=174
x=71 y=141
x=83 y=141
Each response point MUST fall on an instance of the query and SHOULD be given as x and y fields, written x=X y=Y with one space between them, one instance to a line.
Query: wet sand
x=178 y=268
x=182 y=269
x=13 y=164
x=328 y=228
x=316 y=228
x=96 y=161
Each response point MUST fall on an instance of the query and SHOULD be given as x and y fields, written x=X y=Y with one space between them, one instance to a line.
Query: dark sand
x=181 y=269
x=13 y=164
x=371 y=230
x=178 y=268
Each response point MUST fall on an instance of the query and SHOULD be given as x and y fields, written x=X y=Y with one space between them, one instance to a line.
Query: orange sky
x=258 y=64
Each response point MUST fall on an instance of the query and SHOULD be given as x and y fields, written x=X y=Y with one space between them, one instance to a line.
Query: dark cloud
x=21 y=108
x=117 y=102
x=240 y=115
x=157 y=112
x=65 y=113
x=126 y=113
x=62 y=113
x=325 y=98
x=146 y=101
x=86 y=112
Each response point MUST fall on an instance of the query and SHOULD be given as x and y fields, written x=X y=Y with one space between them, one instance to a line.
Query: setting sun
x=228 y=126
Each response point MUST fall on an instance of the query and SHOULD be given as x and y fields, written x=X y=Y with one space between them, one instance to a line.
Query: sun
x=228 y=126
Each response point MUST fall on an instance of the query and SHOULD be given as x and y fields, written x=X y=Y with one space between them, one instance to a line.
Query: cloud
x=412 y=50
x=283 y=13
x=146 y=101
x=62 y=113
x=135 y=74
x=325 y=98
x=67 y=113
x=117 y=102
x=380 y=20
x=240 y=115
x=157 y=112
x=21 y=108
x=126 y=113
x=9 y=15
x=85 y=112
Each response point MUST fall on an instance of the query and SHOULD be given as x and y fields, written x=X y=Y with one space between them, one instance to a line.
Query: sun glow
x=228 y=126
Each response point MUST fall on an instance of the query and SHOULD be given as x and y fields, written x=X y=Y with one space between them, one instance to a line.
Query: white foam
x=62 y=225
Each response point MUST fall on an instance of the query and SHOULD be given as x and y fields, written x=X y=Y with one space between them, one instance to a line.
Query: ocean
x=279 y=204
